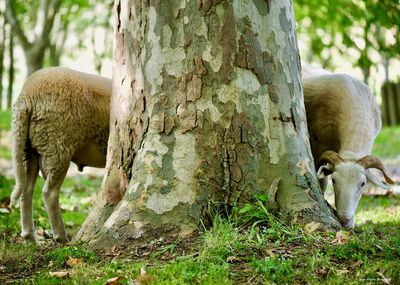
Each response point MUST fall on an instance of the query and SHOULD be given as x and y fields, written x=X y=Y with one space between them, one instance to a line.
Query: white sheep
x=61 y=115
x=343 y=121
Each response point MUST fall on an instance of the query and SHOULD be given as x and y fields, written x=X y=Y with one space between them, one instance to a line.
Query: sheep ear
x=375 y=180
x=324 y=170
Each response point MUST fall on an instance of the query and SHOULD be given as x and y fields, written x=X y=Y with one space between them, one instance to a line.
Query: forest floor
x=231 y=252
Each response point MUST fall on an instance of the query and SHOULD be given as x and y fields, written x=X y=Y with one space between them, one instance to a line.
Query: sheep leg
x=27 y=224
x=51 y=193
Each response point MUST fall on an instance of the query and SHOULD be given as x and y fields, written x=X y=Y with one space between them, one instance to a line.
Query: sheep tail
x=20 y=130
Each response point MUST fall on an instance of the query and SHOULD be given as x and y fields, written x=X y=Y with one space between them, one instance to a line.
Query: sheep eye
x=362 y=184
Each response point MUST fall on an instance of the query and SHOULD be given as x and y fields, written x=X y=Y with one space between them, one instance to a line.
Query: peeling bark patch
x=169 y=124
x=187 y=117
x=269 y=3
x=199 y=67
x=119 y=217
x=273 y=93
x=262 y=6
x=184 y=151
x=252 y=57
x=286 y=118
x=154 y=65
x=194 y=89
x=286 y=24
x=206 y=5
x=118 y=17
x=228 y=43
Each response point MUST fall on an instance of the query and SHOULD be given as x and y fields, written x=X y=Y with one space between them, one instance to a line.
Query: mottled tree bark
x=207 y=110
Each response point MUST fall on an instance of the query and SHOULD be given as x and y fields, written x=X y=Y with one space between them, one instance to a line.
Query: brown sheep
x=60 y=116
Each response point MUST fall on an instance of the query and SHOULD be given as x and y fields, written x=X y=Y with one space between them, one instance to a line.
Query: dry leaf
x=232 y=259
x=74 y=262
x=40 y=232
x=342 y=237
x=323 y=271
x=356 y=264
x=311 y=227
x=115 y=280
x=144 y=278
x=270 y=251
x=59 y=274
x=342 y=271
x=384 y=279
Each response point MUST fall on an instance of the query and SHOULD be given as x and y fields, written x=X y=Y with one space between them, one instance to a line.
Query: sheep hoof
x=28 y=236
x=61 y=239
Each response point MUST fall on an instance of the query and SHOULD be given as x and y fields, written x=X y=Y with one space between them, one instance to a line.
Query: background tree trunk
x=2 y=50
x=10 y=68
x=34 y=50
x=207 y=110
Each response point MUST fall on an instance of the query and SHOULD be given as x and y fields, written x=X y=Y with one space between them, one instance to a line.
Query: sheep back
x=342 y=115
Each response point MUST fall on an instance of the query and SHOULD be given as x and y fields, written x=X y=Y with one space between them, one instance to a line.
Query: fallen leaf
x=342 y=271
x=40 y=232
x=144 y=278
x=323 y=271
x=356 y=264
x=270 y=251
x=384 y=279
x=74 y=262
x=311 y=227
x=59 y=274
x=342 y=237
x=232 y=259
x=115 y=280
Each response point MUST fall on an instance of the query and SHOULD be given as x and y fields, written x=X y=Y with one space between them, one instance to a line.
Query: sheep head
x=349 y=181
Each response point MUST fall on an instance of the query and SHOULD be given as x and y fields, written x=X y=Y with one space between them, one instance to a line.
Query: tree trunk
x=2 y=49
x=34 y=51
x=10 y=69
x=207 y=110
x=34 y=59
x=54 y=55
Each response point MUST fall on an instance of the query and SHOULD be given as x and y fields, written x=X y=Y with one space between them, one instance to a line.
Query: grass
x=5 y=127
x=228 y=253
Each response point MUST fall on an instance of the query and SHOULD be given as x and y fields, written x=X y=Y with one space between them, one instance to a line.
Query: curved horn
x=331 y=157
x=371 y=161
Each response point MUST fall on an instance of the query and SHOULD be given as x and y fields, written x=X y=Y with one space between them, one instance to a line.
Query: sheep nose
x=347 y=222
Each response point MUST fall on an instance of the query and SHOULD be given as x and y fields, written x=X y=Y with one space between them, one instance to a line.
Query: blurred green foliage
x=5 y=120
x=349 y=27
x=387 y=143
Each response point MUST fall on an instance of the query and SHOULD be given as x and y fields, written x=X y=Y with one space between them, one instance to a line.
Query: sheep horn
x=371 y=161
x=331 y=157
